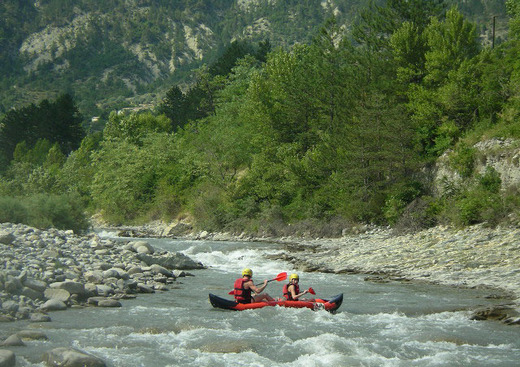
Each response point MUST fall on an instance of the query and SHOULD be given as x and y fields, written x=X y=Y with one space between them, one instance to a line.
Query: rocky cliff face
x=503 y=155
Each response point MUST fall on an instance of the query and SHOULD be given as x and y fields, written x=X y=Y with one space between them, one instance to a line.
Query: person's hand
x=265 y=282
x=305 y=291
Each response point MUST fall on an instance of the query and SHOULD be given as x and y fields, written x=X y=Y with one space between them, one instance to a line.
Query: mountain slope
x=129 y=52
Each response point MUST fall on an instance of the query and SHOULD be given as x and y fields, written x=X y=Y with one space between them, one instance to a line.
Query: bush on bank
x=45 y=211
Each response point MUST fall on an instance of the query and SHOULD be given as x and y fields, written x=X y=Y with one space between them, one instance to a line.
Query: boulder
x=13 y=285
x=181 y=274
x=173 y=260
x=6 y=318
x=143 y=288
x=53 y=305
x=70 y=286
x=7 y=358
x=13 y=341
x=496 y=312
x=32 y=294
x=10 y=306
x=35 y=284
x=111 y=273
x=104 y=290
x=109 y=303
x=32 y=335
x=57 y=294
x=95 y=276
x=6 y=237
x=70 y=357
x=158 y=269
x=143 y=247
x=40 y=317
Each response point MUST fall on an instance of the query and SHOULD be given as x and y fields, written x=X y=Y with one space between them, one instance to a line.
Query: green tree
x=443 y=105
x=513 y=8
x=135 y=126
x=450 y=42
x=174 y=106
x=58 y=122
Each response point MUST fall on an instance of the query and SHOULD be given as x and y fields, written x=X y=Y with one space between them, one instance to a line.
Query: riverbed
x=379 y=324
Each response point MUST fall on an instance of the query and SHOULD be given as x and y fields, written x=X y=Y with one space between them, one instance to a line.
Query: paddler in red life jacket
x=244 y=287
x=291 y=291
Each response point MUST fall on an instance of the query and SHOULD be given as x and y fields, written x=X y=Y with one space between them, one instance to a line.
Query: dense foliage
x=338 y=130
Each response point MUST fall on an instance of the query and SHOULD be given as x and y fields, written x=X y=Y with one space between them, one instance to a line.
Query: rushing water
x=393 y=324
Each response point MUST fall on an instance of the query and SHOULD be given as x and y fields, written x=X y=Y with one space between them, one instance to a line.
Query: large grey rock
x=35 y=284
x=13 y=285
x=95 y=276
x=173 y=260
x=32 y=294
x=70 y=357
x=32 y=335
x=158 y=269
x=13 y=341
x=111 y=273
x=7 y=358
x=40 y=317
x=10 y=306
x=109 y=303
x=495 y=312
x=70 y=286
x=143 y=247
x=6 y=237
x=53 y=305
x=104 y=290
x=57 y=294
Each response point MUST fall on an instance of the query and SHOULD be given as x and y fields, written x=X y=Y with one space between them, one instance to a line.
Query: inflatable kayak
x=318 y=304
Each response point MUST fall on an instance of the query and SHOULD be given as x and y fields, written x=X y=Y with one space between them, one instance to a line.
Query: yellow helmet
x=294 y=276
x=247 y=272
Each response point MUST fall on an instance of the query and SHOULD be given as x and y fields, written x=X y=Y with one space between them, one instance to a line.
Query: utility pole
x=493 y=37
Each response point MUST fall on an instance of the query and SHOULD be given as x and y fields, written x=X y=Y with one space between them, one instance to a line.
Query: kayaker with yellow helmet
x=244 y=287
x=291 y=290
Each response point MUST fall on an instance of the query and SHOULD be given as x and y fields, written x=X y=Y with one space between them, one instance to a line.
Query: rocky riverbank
x=476 y=257
x=42 y=271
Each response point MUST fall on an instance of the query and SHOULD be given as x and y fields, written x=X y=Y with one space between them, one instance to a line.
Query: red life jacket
x=242 y=295
x=287 y=294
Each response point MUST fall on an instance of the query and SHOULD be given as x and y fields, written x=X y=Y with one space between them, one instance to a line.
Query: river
x=392 y=324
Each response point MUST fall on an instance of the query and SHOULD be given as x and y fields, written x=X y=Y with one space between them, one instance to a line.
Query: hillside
x=126 y=53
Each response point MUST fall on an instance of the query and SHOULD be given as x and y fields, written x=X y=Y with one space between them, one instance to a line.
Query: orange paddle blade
x=311 y=291
x=280 y=277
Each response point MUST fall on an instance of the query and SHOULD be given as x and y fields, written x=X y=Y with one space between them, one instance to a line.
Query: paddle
x=311 y=291
x=278 y=278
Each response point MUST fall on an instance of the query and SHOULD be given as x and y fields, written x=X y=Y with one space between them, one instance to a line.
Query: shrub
x=419 y=214
x=463 y=160
x=45 y=211
x=490 y=180
x=12 y=210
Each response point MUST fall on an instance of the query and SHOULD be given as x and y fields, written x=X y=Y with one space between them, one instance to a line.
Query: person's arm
x=256 y=289
x=293 y=292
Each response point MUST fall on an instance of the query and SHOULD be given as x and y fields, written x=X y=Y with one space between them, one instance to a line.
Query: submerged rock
x=13 y=341
x=7 y=358
x=70 y=357
x=498 y=312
